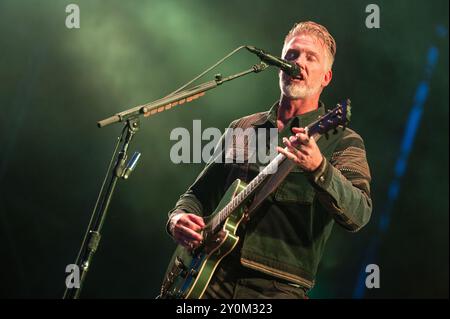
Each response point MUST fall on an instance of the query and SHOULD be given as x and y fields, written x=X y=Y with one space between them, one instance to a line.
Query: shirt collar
x=270 y=118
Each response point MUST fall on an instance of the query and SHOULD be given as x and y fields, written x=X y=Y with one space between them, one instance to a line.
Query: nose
x=301 y=61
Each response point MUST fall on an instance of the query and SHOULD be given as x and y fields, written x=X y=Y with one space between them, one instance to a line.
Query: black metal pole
x=93 y=233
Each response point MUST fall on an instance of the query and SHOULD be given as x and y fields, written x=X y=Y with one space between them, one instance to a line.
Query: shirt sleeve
x=343 y=183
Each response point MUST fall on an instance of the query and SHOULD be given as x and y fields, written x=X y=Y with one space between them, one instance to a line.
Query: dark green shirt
x=287 y=234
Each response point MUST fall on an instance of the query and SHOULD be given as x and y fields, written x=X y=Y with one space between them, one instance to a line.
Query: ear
x=327 y=78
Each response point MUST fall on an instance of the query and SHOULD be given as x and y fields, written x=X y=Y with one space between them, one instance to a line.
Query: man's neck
x=290 y=108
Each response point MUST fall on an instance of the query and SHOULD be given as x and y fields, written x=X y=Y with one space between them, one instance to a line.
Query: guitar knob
x=179 y=263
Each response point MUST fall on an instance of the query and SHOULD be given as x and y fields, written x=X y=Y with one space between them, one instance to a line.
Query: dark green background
x=55 y=83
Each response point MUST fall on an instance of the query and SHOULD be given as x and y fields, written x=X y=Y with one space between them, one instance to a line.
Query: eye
x=291 y=55
x=311 y=57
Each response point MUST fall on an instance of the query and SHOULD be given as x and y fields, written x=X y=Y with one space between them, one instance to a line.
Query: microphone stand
x=131 y=118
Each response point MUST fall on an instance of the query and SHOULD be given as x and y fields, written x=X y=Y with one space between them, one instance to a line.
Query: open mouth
x=298 y=78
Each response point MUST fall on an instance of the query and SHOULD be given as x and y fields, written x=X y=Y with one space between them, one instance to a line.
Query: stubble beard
x=296 y=91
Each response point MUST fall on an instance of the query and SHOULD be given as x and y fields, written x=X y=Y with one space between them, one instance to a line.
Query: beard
x=296 y=91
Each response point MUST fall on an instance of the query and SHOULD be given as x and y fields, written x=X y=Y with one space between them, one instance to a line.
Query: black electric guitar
x=190 y=271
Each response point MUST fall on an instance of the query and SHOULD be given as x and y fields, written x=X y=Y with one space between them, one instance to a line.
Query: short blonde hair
x=310 y=27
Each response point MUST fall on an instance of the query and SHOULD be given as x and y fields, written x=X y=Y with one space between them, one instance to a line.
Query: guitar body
x=189 y=273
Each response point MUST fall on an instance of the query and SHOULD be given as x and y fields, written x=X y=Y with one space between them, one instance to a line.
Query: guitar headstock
x=340 y=115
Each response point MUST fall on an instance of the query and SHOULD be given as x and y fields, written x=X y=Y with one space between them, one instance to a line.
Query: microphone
x=289 y=68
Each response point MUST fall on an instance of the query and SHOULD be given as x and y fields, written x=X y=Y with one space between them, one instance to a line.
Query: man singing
x=281 y=246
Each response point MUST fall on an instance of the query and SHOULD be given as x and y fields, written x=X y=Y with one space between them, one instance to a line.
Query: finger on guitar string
x=189 y=224
x=187 y=232
x=196 y=219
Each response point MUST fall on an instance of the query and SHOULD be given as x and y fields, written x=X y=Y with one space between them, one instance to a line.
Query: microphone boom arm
x=177 y=98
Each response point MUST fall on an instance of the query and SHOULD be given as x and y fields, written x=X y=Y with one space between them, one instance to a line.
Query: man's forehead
x=305 y=40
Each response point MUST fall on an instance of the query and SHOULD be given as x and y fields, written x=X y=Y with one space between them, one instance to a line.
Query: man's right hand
x=186 y=229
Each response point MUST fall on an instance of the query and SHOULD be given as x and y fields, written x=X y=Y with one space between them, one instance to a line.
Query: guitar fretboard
x=220 y=217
